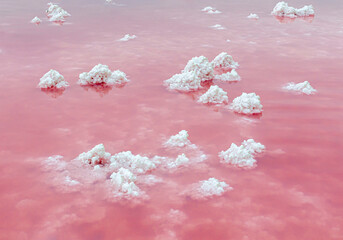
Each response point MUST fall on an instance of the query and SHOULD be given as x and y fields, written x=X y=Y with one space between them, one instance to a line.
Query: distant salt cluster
x=304 y=87
x=52 y=79
x=101 y=74
x=210 y=10
x=253 y=16
x=241 y=156
x=36 y=20
x=247 y=103
x=217 y=27
x=207 y=189
x=127 y=37
x=214 y=95
x=56 y=14
x=283 y=10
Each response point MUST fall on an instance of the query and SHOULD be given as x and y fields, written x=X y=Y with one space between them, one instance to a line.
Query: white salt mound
x=127 y=37
x=210 y=10
x=247 y=103
x=178 y=140
x=212 y=187
x=52 y=79
x=179 y=161
x=214 y=95
x=201 y=67
x=304 y=87
x=124 y=182
x=224 y=61
x=228 y=77
x=96 y=156
x=217 y=27
x=56 y=14
x=252 y=146
x=36 y=20
x=101 y=74
x=283 y=10
x=135 y=163
x=253 y=16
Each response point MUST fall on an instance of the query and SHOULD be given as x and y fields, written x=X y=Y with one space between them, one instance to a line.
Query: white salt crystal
x=237 y=156
x=52 y=79
x=179 y=161
x=247 y=103
x=56 y=14
x=224 y=61
x=210 y=10
x=212 y=187
x=283 y=10
x=217 y=27
x=124 y=182
x=304 y=87
x=228 y=77
x=178 y=140
x=36 y=20
x=253 y=16
x=135 y=163
x=252 y=146
x=214 y=95
x=127 y=37
x=201 y=67
x=96 y=156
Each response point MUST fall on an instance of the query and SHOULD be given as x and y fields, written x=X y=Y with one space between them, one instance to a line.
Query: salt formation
x=242 y=156
x=304 y=87
x=247 y=103
x=217 y=27
x=210 y=188
x=283 y=10
x=210 y=10
x=56 y=14
x=101 y=74
x=224 y=61
x=178 y=140
x=96 y=156
x=52 y=79
x=124 y=182
x=214 y=95
x=135 y=163
x=228 y=77
x=197 y=70
x=36 y=20
x=127 y=37
x=179 y=161
x=253 y=16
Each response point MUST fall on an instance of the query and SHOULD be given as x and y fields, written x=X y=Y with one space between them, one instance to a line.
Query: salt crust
x=101 y=74
x=217 y=27
x=224 y=61
x=179 y=140
x=247 y=103
x=253 y=16
x=283 y=10
x=208 y=188
x=228 y=77
x=96 y=156
x=135 y=163
x=36 y=20
x=210 y=10
x=304 y=87
x=124 y=182
x=241 y=156
x=56 y=14
x=214 y=95
x=179 y=161
x=52 y=79
x=127 y=37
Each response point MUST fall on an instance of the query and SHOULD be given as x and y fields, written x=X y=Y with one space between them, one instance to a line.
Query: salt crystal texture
x=179 y=161
x=52 y=79
x=214 y=95
x=201 y=67
x=247 y=103
x=211 y=187
x=124 y=182
x=178 y=140
x=96 y=156
x=253 y=16
x=252 y=146
x=56 y=14
x=36 y=20
x=283 y=10
x=210 y=10
x=101 y=74
x=127 y=37
x=224 y=61
x=217 y=27
x=304 y=87
x=228 y=77
x=135 y=163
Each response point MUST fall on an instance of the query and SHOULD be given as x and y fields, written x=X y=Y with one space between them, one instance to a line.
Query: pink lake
x=294 y=193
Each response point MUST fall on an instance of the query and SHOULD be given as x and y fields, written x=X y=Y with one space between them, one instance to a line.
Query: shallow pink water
x=293 y=193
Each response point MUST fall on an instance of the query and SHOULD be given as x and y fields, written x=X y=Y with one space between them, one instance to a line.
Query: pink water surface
x=295 y=192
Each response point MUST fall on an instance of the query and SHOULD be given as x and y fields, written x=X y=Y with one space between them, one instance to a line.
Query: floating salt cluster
x=283 y=10
x=304 y=87
x=253 y=16
x=124 y=183
x=52 y=79
x=217 y=27
x=96 y=156
x=179 y=161
x=224 y=61
x=56 y=14
x=178 y=140
x=207 y=189
x=247 y=103
x=36 y=20
x=241 y=156
x=101 y=74
x=210 y=10
x=127 y=37
x=214 y=95
x=228 y=77
x=135 y=163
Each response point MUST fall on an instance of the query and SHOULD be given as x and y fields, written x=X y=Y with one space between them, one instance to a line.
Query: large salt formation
x=101 y=74
x=283 y=10
x=214 y=95
x=96 y=156
x=56 y=14
x=247 y=103
x=52 y=79
x=241 y=156
x=304 y=87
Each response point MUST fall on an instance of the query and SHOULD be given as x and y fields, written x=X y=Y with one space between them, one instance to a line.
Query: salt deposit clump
x=214 y=95
x=36 y=20
x=127 y=37
x=241 y=156
x=178 y=140
x=56 y=14
x=224 y=61
x=253 y=16
x=210 y=188
x=210 y=10
x=217 y=27
x=304 y=87
x=247 y=103
x=179 y=161
x=96 y=156
x=101 y=74
x=124 y=182
x=228 y=77
x=135 y=163
x=283 y=10
x=52 y=79
x=201 y=67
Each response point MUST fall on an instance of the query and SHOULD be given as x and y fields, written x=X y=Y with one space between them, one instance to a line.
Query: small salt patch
x=178 y=140
x=247 y=103
x=135 y=163
x=253 y=16
x=210 y=10
x=52 y=79
x=215 y=95
x=283 y=10
x=228 y=77
x=207 y=189
x=56 y=14
x=179 y=161
x=127 y=37
x=217 y=27
x=124 y=183
x=36 y=20
x=224 y=61
x=304 y=87
x=96 y=156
